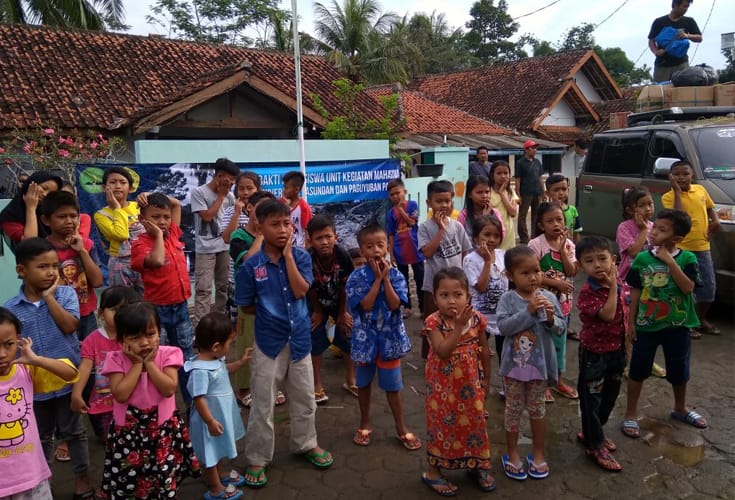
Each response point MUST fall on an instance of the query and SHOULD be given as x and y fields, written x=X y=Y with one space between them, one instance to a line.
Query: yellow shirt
x=115 y=224
x=695 y=202
x=509 y=238
x=455 y=214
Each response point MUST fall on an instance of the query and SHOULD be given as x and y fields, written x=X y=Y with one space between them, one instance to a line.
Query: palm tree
x=85 y=14
x=278 y=35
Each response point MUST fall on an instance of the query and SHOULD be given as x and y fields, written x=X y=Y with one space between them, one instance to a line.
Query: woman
x=20 y=218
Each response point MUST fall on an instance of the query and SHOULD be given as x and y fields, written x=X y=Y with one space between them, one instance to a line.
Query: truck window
x=663 y=145
x=622 y=156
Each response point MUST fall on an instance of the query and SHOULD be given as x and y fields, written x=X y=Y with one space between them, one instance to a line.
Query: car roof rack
x=678 y=114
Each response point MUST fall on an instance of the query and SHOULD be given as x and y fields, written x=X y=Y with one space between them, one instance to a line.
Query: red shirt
x=597 y=335
x=168 y=284
x=72 y=273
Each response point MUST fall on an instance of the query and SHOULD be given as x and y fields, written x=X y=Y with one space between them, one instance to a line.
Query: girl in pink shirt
x=148 y=448
x=633 y=233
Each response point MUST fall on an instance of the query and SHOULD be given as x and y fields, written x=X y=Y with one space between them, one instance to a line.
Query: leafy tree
x=277 y=33
x=96 y=15
x=440 y=47
x=215 y=21
x=578 y=37
x=728 y=74
x=622 y=69
x=490 y=29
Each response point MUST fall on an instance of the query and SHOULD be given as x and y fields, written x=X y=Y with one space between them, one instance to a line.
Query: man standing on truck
x=530 y=187
x=686 y=28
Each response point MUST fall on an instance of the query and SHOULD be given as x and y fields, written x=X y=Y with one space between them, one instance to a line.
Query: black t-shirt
x=529 y=171
x=688 y=24
x=329 y=282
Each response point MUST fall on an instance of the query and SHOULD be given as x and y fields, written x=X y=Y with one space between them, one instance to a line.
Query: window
x=663 y=145
x=619 y=155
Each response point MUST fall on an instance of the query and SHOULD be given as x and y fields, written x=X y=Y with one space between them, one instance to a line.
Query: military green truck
x=641 y=156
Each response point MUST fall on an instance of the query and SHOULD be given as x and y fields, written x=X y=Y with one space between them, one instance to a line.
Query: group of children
x=470 y=288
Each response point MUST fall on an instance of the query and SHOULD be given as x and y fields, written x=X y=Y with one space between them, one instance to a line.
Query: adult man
x=530 y=187
x=666 y=63
x=208 y=203
x=580 y=153
x=481 y=166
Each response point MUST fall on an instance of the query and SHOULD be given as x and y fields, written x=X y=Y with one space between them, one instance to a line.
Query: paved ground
x=654 y=467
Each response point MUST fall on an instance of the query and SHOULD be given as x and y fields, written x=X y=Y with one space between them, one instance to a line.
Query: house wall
x=586 y=87
x=561 y=115
x=9 y=282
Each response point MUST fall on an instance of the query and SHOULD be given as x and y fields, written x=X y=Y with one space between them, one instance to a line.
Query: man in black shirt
x=481 y=166
x=666 y=64
x=530 y=187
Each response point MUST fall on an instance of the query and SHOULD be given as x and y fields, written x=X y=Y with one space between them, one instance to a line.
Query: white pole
x=299 y=110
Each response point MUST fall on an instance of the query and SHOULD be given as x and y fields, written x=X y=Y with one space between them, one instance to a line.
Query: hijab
x=15 y=211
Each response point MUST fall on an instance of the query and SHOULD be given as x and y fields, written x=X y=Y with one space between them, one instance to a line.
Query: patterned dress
x=455 y=401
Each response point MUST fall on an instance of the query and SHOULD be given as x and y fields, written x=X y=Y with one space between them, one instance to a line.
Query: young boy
x=158 y=255
x=208 y=204
x=357 y=259
x=379 y=340
x=662 y=313
x=442 y=240
x=695 y=201
x=49 y=313
x=401 y=224
x=603 y=310
x=293 y=182
x=60 y=212
x=332 y=266
x=557 y=189
x=273 y=284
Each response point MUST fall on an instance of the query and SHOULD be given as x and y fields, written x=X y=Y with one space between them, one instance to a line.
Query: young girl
x=476 y=202
x=532 y=317
x=556 y=255
x=118 y=224
x=215 y=419
x=26 y=474
x=145 y=423
x=91 y=395
x=504 y=200
x=457 y=378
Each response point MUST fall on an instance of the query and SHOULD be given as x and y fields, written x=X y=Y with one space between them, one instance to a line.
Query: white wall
x=561 y=115
x=586 y=87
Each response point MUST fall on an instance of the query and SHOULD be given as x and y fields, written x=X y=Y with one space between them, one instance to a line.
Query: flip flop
x=607 y=443
x=631 y=429
x=533 y=468
x=484 y=480
x=433 y=483
x=548 y=398
x=229 y=493
x=62 y=454
x=691 y=417
x=322 y=460
x=409 y=441
x=352 y=389
x=362 y=437
x=260 y=478
x=247 y=400
x=604 y=459
x=519 y=474
x=280 y=398
x=566 y=391
x=711 y=330
x=234 y=478
x=694 y=334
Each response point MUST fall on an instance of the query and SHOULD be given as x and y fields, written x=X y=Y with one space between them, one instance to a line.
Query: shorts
x=389 y=374
x=705 y=292
x=676 y=344
x=520 y=395
x=320 y=340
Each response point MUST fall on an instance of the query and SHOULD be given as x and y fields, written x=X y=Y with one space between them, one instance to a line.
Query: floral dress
x=455 y=401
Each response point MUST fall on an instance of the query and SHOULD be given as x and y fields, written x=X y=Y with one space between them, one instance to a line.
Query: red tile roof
x=424 y=115
x=566 y=135
x=102 y=80
x=516 y=93
x=607 y=108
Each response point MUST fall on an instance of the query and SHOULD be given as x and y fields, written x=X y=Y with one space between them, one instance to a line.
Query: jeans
x=532 y=202
x=177 y=331
x=418 y=278
x=211 y=267
x=55 y=416
x=600 y=377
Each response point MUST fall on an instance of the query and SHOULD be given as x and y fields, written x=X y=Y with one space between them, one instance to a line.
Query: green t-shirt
x=662 y=303
x=572 y=220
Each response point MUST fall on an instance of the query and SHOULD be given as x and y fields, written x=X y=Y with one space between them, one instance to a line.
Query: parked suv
x=642 y=154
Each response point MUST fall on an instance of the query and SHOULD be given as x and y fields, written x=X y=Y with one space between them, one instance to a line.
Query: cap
x=529 y=144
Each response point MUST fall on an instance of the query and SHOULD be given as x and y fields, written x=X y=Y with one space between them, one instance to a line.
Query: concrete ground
x=670 y=461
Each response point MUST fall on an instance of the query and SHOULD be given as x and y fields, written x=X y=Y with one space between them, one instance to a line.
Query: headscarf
x=15 y=211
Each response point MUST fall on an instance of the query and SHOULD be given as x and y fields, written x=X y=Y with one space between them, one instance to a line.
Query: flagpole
x=299 y=108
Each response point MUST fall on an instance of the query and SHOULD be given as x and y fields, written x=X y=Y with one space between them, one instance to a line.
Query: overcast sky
x=627 y=28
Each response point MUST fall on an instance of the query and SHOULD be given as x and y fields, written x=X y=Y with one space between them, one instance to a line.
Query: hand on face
x=110 y=198
x=464 y=316
x=152 y=229
x=33 y=196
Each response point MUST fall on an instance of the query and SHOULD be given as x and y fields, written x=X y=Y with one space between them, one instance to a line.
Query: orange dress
x=455 y=402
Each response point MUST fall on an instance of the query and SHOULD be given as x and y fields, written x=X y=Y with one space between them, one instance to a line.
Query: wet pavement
x=671 y=460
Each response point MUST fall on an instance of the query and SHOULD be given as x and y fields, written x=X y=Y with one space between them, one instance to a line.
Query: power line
x=639 y=57
x=612 y=14
x=712 y=7
x=537 y=10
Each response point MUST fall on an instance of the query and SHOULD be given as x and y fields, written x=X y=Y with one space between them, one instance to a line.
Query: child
x=332 y=266
x=357 y=259
x=236 y=215
x=158 y=255
x=148 y=451
x=531 y=316
x=695 y=201
x=486 y=272
x=557 y=190
x=504 y=200
x=457 y=378
x=556 y=255
x=212 y=264
x=77 y=269
x=85 y=221
x=49 y=314
x=661 y=278
x=215 y=419
x=633 y=236
x=379 y=340
x=274 y=284
x=27 y=474
x=442 y=240
x=21 y=218
x=300 y=209
x=118 y=224
x=401 y=224
x=603 y=309
x=476 y=203
x=95 y=398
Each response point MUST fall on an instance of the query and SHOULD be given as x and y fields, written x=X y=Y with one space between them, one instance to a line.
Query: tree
x=440 y=47
x=277 y=33
x=96 y=15
x=214 y=21
x=622 y=69
x=490 y=30
x=728 y=74
x=578 y=37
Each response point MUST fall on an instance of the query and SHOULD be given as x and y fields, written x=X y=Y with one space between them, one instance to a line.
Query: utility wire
x=612 y=14
x=712 y=7
x=537 y=10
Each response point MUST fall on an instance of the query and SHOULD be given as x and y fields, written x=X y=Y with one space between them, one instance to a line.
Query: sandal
x=247 y=400
x=280 y=398
x=604 y=459
x=409 y=441
x=449 y=491
x=322 y=460
x=709 y=329
x=694 y=334
x=229 y=493
x=658 y=371
x=572 y=334
x=548 y=398
x=692 y=418
x=234 y=478
x=631 y=429
x=485 y=481
x=352 y=389
x=260 y=478
x=320 y=397
x=512 y=470
x=62 y=453
x=566 y=391
x=608 y=443
x=534 y=468
x=362 y=437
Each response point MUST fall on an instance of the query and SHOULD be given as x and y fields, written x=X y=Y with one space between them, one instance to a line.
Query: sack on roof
x=695 y=76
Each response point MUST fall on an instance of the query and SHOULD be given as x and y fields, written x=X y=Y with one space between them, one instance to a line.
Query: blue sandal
x=533 y=468
x=234 y=478
x=433 y=483
x=229 y=493
x=519 y=474
x=691 y=417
